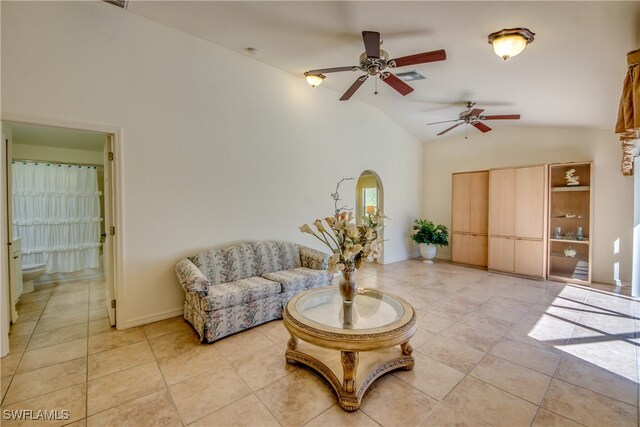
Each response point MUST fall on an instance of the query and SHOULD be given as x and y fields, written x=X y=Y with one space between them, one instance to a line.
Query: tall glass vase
x=347 y=286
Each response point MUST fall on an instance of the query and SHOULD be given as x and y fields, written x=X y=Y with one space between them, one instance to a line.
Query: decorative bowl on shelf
x=570 y=252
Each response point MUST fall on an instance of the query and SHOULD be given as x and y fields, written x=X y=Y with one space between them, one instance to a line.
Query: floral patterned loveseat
x=235 y=288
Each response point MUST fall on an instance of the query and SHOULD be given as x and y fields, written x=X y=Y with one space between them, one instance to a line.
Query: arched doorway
x=369 y=198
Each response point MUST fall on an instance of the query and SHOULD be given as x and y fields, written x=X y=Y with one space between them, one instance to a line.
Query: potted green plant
x=428 y=236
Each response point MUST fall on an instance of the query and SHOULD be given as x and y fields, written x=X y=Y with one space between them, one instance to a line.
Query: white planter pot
x=428 y=252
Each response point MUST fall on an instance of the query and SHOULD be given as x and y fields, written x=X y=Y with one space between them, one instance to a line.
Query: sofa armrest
x=311 y=258
x=191 y=278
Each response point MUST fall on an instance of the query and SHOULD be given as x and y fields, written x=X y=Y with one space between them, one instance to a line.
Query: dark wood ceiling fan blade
x=476 y=112
x=332 y=70
x=371 y=43
x=481 y=127
x=444 y=121
x=354 y=87
x=393 y=81
x=419 y=58
x=448 y=129
x=502 y=117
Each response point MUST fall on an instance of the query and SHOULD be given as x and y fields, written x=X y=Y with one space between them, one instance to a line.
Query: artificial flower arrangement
x=350 y=243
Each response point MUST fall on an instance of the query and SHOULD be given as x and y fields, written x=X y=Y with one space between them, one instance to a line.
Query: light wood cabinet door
x=501 y=253
x=502 y=189
x=529 y=206
x=529 y=257
x=478 y=250
x=479 y=202
x=460 y=202
x=460 y=248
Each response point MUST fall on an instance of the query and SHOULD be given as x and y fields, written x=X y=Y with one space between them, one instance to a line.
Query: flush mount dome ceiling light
x=314 y=79
x=510 y=42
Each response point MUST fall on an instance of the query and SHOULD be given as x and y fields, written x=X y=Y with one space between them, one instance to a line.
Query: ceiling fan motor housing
x=373 y=66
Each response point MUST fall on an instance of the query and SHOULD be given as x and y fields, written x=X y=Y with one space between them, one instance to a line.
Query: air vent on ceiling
x=120 y=3
x=409 y=76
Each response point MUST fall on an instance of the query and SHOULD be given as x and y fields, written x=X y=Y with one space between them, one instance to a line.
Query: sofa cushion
x=300 y=279
x=246 y=260
x=238 y=292
x=277 y=256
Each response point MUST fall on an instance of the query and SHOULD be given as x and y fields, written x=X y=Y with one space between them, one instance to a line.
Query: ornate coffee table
x=366 y=335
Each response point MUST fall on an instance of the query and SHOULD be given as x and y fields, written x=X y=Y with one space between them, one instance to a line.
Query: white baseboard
x=150 y=318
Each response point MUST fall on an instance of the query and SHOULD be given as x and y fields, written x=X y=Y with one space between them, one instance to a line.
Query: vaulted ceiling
x=571 y=75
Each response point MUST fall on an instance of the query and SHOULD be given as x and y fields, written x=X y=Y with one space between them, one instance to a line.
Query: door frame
x=380 y=187
x=116 y=197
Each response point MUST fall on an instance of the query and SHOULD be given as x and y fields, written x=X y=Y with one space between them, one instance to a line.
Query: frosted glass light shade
x=507 y=46
x=314 y=79
x=510 y=42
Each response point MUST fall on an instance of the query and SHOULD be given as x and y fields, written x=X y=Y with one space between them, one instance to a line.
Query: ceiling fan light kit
x=374 y=62
x=510 y=42
x=314 y=79
x=474 y=117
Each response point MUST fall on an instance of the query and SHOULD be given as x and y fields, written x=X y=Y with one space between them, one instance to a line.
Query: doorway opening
x=369 y=199
x=60 y=200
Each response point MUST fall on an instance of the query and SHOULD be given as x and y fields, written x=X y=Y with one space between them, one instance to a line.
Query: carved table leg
x=292 y=344
x=406 y=351
x=349 y=368
x=406 y=348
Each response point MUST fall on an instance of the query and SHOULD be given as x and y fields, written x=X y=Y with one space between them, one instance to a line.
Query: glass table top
x=370 y=309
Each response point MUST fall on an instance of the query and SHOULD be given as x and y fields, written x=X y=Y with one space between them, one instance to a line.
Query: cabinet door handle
x=15 y=257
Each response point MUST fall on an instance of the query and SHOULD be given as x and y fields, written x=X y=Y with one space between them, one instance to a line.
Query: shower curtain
x=56 y=211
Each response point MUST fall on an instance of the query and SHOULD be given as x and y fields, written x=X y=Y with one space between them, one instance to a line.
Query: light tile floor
x=490 y=350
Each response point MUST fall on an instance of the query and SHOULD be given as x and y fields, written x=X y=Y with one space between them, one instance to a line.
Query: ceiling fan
x=474 y=117
x=374 y=61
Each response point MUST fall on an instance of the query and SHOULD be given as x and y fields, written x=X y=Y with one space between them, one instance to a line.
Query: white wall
x=511 y=146
x=216 y=147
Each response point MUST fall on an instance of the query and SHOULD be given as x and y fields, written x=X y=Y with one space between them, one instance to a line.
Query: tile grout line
x=164 y=380
x=26 y=346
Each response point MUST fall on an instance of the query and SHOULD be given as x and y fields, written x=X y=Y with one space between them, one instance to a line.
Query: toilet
x=29 y=274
